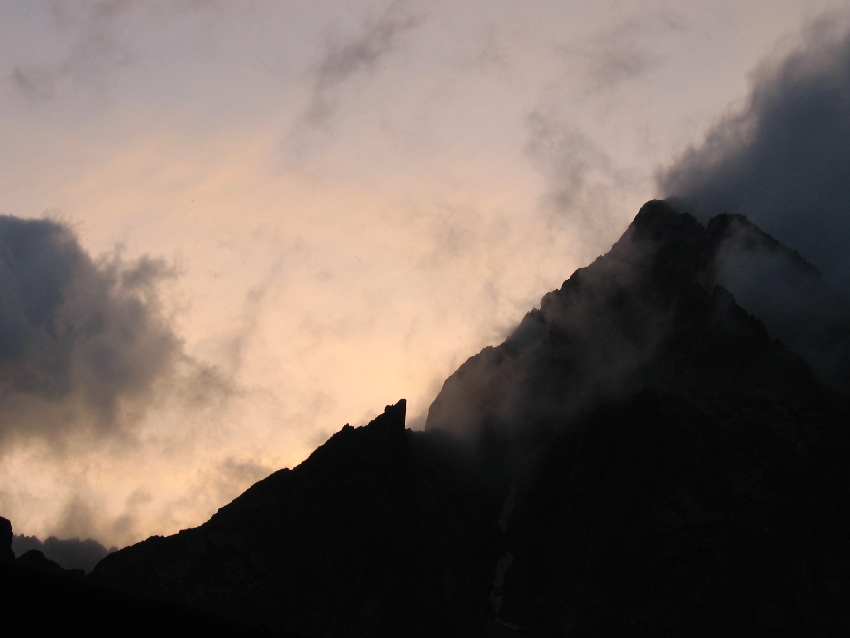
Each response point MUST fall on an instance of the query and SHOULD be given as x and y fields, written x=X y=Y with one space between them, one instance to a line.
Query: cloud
x=782 y=161
x=85 y=347
x=582 y=181
x=90 y=38
x=788 y=294
x=93 y=47
x=35 y=83
x=235 y=346
x=235 y=475
x=345 y=59
x=625 y=52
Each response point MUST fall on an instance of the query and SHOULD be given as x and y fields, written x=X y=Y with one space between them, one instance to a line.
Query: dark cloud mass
x=783 y=161
x=84 y=346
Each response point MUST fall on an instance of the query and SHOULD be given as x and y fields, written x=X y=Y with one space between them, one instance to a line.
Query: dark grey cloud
x=788 y=294
x=782 y=160
x=85 y=347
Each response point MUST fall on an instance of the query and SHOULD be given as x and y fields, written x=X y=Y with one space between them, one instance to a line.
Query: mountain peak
x=660 y=216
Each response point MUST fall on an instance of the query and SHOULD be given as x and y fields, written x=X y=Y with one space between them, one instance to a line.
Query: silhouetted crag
x=6 y=553
x=35 y=559
x=68 y=553
x=39 y=598
x=673 y=471
x=358 y=540
x=35 y=603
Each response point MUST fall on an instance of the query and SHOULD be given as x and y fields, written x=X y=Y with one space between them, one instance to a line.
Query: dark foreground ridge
x=365 y=537
x=641 y=457
x=39 y=598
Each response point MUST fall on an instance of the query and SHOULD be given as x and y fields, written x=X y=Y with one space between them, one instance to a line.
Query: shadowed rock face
x=673 y=470
x=675 y=514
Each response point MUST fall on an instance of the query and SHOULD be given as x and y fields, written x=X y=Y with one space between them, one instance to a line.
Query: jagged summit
x=641 y=456
x=651 y=310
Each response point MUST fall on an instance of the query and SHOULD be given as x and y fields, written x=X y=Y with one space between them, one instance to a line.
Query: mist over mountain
x=639 y=457
x=69 y=553
x=601 y=336
x=781 y=160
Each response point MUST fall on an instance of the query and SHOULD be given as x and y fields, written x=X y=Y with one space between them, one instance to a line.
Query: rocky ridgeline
x=367 y=536
x=33 y=559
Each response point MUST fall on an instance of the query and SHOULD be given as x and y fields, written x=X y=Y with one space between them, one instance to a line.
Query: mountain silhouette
x=374 y=534
x=642 y=456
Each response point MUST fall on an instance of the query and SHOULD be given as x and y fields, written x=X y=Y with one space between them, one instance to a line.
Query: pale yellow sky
x=356 y=197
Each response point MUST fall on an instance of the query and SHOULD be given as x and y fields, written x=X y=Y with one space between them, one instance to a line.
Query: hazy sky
x=288 y=215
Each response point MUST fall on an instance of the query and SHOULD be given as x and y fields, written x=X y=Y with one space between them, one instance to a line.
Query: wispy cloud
x=582 y=181
x=345 y=59
x=90 y=27
x=624 y=52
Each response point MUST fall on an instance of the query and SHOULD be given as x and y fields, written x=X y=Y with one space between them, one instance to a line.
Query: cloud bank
x=782 y=160
x=84 y=345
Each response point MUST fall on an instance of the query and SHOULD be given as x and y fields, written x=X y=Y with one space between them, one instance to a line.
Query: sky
x=233 y=227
